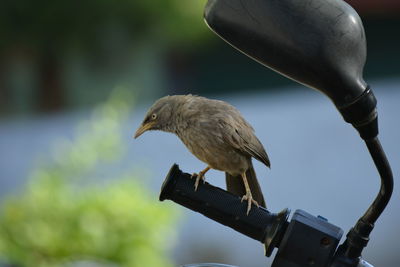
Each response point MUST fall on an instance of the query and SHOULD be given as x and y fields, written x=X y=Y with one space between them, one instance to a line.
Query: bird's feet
x=199 y=177
x=250 y=200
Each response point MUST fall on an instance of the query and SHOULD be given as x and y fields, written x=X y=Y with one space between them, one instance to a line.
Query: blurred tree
x=42 y=32
x=63 y=218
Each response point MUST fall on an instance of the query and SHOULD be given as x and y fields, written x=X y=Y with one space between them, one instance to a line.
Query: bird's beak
x=142 y=129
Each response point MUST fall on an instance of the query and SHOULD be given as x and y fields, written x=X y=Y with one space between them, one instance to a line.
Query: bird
x=217 y=134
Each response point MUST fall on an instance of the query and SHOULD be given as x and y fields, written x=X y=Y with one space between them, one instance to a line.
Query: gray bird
x=217 y=134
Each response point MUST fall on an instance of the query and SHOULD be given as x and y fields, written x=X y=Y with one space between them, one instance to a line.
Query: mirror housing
x=318 y=43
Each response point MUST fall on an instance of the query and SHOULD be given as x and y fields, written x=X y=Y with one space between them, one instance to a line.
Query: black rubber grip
x=225 y=208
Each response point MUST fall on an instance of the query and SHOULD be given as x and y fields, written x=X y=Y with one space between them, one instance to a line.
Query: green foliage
x=45 y=23
x=62 y=217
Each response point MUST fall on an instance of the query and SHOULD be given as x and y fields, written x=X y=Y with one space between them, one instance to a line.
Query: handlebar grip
x=225 y=208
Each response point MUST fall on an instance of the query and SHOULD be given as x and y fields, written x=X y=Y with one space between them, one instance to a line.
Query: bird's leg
x=199 y=177
x=248 y=195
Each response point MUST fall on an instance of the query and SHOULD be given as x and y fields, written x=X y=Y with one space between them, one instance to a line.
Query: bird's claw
x=199 y=177
x=250 y=200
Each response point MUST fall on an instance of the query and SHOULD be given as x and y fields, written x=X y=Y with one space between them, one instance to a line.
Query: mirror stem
x=358 y=236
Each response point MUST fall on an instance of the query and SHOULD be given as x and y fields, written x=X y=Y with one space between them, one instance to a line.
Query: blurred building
x=51 y=61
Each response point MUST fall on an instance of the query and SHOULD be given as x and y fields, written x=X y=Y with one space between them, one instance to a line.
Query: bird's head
x=159 y=116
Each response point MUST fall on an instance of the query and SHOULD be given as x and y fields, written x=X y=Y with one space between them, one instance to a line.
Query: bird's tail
x=235 y=185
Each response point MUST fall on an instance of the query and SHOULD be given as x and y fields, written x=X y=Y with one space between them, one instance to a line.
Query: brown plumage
x=217 y=134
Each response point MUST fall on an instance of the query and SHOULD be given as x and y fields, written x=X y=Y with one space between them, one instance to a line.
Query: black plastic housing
x=308 y=241
x=319 y=43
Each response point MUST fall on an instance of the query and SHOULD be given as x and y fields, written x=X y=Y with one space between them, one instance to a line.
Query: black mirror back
x=319 y=43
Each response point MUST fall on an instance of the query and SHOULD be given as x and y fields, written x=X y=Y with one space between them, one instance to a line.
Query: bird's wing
x=240 y=135
x=234 y=129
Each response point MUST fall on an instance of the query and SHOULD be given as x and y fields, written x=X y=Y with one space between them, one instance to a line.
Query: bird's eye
x=153 y=116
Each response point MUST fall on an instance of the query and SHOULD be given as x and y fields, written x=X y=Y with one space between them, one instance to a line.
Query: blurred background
x=75 y=81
